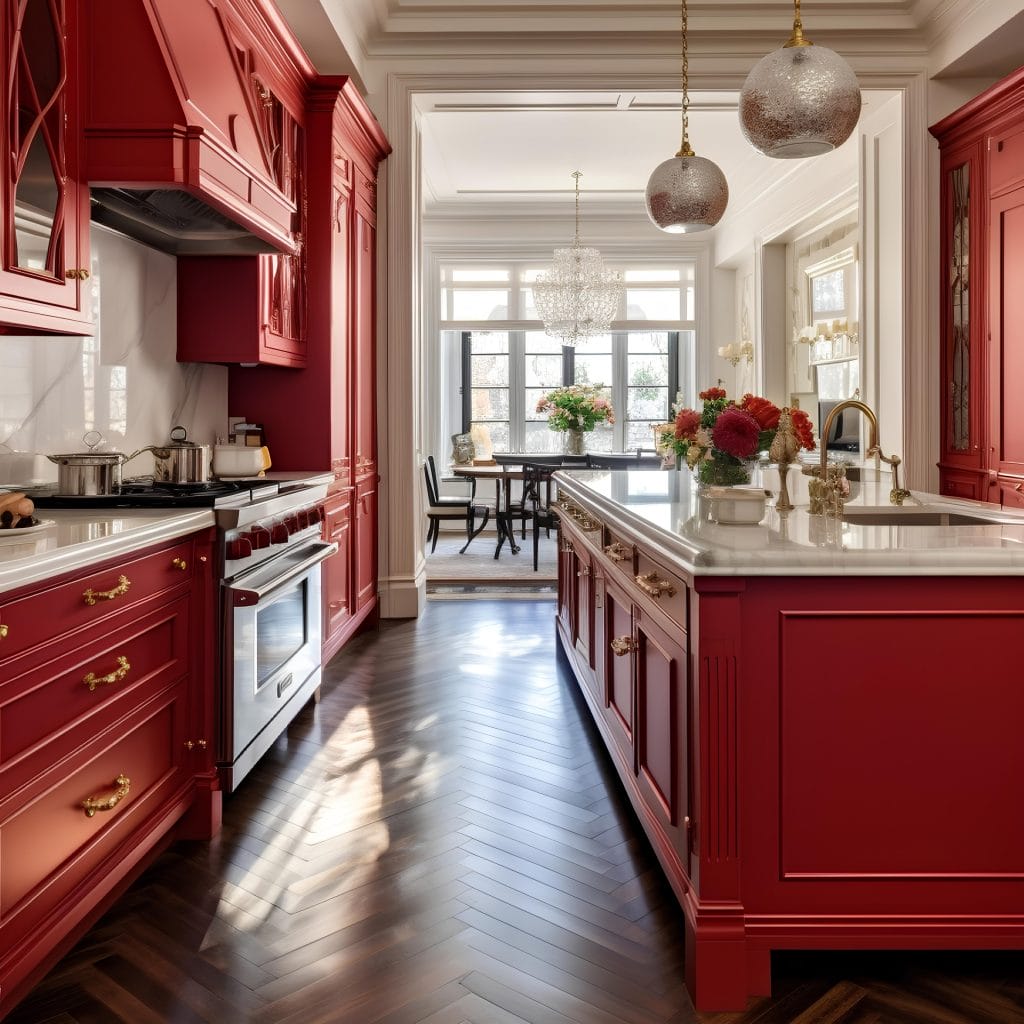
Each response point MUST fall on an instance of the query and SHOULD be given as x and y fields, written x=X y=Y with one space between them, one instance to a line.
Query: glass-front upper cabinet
x=45 y=209
x=961 y=457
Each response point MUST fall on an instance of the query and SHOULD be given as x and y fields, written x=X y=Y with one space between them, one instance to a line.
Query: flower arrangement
x=579 y=407
x=718 y=440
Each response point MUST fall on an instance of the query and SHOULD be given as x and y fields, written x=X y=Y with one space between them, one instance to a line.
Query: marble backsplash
x=123 y=382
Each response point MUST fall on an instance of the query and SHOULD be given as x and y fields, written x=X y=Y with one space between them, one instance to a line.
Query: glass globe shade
x=686 y=193
x=799 y=101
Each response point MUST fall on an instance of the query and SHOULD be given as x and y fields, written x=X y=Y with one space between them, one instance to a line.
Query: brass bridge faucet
x=897 y=494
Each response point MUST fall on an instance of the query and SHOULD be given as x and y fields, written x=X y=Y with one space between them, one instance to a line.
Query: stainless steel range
x=270 y=554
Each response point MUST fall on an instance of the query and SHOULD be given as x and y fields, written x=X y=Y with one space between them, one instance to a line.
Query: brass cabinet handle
x=92 y=596
x=649 y=583
x=1019 y=488
x=189 y=744
x=92 y=680
x=622 y=645
x=4 y=630
x=179 y=563
x=77 y=274
x=92 y=804
x=617 y=552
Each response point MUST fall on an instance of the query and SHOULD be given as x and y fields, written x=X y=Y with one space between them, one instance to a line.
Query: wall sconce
x=830 y=342
x=734 y=352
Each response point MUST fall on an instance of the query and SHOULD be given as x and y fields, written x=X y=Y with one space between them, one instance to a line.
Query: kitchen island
x=816 y=719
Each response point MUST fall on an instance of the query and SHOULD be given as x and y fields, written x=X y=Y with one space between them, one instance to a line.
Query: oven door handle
x=251 y=597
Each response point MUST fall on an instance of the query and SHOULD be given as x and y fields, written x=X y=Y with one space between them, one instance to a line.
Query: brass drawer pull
x=92 y=680
x=4 y=630
x=179 y=563
x=651 y=584
x=92 y=596
x=622 y=645
x=617 y=552
x=190 y=745
x=77 y=274
x=1019 y=488
x=92 y=804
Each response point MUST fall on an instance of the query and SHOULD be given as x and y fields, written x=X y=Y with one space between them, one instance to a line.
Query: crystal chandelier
x=577 y=298
x=686 y=192
x=800 y=100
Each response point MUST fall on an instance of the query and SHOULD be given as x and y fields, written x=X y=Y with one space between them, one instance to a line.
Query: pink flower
x=736 y=433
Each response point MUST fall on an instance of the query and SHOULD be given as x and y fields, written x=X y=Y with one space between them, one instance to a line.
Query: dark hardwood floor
x=441 y=840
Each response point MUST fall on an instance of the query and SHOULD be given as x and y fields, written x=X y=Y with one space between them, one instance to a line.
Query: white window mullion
x=517 y=388
x=620 y=390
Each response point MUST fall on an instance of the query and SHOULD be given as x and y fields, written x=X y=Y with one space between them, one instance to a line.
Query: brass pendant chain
x=798 y=38
x=684 y=73
x=577 y=175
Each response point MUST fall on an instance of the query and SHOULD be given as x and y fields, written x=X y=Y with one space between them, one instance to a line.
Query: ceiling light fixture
x=577 y=298
x=686 y=192
x=800 y=100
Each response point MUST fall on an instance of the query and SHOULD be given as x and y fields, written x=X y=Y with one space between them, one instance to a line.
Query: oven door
x=271 y=657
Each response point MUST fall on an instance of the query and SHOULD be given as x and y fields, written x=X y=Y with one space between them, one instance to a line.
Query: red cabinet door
x=340 y=341
x=337 y=570
x=366 y=543
x=1006 y=334
x=618 y=661
x=44 y=263
x=364 y=393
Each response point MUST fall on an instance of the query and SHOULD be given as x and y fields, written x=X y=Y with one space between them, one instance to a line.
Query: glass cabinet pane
x=959 y=287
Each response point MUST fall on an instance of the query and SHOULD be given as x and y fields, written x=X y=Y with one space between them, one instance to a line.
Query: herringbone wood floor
x=442 y=841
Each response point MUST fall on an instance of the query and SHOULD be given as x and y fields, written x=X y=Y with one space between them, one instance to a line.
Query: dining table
x=502 y=475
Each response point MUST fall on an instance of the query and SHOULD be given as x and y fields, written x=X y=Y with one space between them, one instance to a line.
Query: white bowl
x=742 y=505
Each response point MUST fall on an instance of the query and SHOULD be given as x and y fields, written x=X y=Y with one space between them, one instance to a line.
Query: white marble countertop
x=664 y=509
x=77 y=539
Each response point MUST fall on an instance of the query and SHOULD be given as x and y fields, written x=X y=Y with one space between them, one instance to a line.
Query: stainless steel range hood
x=174 y=221
x=180 y=151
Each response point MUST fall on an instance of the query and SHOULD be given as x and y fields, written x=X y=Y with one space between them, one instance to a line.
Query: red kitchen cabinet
x=106 y=713
x=44 y=258
x=982 y=257
x=337 y=573
x=323 y=415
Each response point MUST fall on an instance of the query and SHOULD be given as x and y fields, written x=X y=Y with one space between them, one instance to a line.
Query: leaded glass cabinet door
x=960 y=461
x=44 y=222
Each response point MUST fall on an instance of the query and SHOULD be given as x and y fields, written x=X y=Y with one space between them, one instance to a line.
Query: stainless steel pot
x=92 y=472
x=181 y=461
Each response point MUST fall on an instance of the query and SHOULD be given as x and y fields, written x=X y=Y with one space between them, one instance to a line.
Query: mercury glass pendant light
x=686 y=192
x=577 y=298
x=800 y=100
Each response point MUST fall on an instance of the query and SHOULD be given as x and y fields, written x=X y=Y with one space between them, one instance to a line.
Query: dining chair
x=538 y=503
x=441 y=508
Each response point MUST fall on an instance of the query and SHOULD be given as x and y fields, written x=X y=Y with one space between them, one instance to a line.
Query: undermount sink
x=919 y=517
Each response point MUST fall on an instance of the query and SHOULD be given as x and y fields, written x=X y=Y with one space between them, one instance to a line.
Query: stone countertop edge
x=852 y=549
x=136 y=529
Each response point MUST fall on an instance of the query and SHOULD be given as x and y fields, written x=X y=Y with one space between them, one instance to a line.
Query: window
x=506 y=362
x=832 y=300
x=637 y=369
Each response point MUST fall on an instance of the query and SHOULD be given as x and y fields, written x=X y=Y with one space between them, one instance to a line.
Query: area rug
x=478 y=567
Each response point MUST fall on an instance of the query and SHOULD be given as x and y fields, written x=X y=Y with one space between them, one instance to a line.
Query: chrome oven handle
x=251 y=597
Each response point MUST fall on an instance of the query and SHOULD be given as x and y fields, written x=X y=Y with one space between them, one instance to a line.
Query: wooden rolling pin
x=19 y=505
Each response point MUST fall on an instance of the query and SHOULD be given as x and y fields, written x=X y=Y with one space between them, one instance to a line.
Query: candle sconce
x=830 y=341
x=735 y=351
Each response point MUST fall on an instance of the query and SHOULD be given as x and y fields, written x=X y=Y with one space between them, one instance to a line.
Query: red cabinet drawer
x=48 y=843
x=105 y=677
x=661 y=589
x=89 y=599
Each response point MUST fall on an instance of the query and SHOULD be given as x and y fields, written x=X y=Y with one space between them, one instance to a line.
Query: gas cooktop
x=151 y=494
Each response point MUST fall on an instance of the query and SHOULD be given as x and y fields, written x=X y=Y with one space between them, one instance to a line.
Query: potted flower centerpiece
x=720 y=441
x=576 y=410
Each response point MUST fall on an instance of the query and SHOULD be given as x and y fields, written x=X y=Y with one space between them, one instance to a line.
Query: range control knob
x=259 y=537
x=239 y=547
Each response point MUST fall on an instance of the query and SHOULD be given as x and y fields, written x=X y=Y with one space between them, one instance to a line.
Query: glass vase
x=722 y=470
x=574 y=442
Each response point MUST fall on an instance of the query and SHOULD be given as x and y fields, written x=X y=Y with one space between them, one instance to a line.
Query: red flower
x=802 y=428
x=736 y=433
x=712 y=394
x=766 y=413
x=687 y=423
